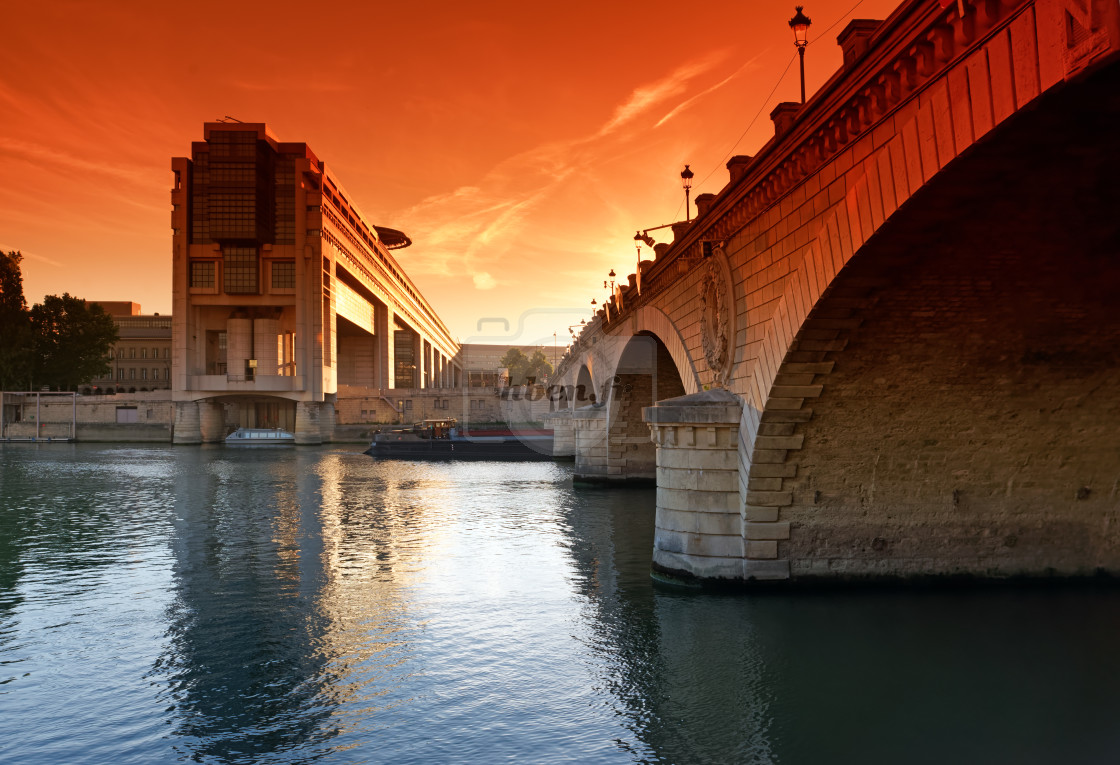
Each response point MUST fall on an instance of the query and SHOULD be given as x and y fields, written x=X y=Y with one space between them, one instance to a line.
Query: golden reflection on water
x=379 y=528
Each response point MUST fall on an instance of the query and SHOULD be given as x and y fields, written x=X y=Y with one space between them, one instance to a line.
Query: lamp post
x=638 y=266
x=800 y=26
x=686 y=179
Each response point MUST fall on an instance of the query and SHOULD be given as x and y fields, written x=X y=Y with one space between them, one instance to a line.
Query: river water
x=214 y=605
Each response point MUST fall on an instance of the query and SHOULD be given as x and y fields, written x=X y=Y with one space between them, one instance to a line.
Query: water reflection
x=240 y=666
x=918 y=676
x=308 y=605
x=666 y=661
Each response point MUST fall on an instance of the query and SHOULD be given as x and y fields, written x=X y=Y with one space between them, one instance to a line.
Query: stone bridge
x=888 y=348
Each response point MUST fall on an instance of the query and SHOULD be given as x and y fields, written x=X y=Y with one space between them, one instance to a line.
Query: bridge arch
x=613 y=443
x=584 y=387
x=1001 y=322
x=652 y=321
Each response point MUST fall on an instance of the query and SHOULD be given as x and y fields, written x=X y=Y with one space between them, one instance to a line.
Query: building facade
x=282 y=291
x=141 y=359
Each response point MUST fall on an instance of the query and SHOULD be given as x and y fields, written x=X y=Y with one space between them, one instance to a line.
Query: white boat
x=259 y=437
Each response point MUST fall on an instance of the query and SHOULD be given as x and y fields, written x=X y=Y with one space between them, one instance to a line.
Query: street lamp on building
x=800 y=26
x=686 y=179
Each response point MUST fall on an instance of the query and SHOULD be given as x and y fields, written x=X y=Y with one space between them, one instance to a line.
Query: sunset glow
x=518 y=146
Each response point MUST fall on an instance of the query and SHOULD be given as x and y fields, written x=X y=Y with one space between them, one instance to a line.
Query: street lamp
x=611 y=275
x=686 y=179
x=800 y=26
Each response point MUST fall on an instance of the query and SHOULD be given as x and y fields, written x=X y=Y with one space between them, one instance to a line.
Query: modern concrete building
x=283 y=290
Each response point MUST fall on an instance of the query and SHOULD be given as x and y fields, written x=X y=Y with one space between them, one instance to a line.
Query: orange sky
x=520 y=145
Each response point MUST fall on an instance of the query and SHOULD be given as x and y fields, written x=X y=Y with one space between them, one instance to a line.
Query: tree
x=522 y=368
x=15 y=325
x=72 y=340
x=516 y=362
x=539 y=368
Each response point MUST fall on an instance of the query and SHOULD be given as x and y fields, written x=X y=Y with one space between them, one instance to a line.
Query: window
x=120 y=374
x=155 y=353
x=166 y=352
x=240 y=271
x=202 y=273
x=132 y=353
x=408 y=403
x=144 y=373
x=143 y=353
x=283 y=274
x=233 y=213
x=132 y=374
x=155 y=373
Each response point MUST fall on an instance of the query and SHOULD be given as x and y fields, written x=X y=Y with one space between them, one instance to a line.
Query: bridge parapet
x=1000 y=55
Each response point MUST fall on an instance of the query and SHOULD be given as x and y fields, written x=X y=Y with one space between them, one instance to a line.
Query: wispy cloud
x=687 y=102
x=647 y=96
x=36 y=153
x=480 y=229
x=484 y=281
x=288 y=85
x=31 y=255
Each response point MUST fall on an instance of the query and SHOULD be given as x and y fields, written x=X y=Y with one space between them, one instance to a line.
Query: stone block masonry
x=698 y=528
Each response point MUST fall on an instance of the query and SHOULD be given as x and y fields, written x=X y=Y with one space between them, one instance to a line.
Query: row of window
x=131 y=374
x=143 y=353
x=240 y=272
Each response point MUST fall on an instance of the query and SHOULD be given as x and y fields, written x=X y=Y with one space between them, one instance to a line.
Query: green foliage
x=15 y=325
x=71 y=341
x=522 y=368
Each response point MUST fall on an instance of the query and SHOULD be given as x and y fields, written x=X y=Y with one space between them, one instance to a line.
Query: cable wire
x=765 y=101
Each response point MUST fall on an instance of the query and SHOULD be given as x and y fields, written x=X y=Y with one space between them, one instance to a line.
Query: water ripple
x=164 y=604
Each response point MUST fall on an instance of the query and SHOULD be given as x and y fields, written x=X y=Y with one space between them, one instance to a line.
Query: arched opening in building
x=646 y=374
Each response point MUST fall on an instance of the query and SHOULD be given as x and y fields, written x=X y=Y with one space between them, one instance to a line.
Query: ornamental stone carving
x=717 y=317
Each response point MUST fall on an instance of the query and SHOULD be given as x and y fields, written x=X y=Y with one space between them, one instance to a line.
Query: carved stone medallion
x=717 y=317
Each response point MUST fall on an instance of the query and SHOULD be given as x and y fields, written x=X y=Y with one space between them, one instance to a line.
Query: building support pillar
x=383 y=325
x=327 y=417
x=698 y=526
x=211 y=421
x=308 y=429
x=418 y=360
x=186 y=428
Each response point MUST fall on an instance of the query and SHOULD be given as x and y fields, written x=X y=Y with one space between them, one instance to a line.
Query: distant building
x=283 y=291
x=141 y=358
x=482 y=364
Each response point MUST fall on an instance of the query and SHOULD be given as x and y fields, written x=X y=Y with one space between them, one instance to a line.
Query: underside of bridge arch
x=645 y=374
x=959 y=381
x=585 y=389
